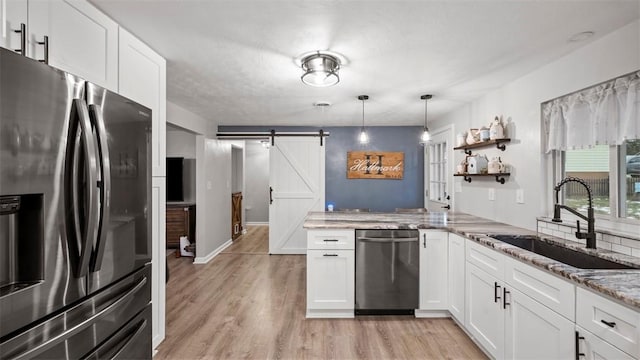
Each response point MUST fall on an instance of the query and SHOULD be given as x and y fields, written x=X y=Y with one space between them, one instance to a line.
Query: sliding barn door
x=296 y=178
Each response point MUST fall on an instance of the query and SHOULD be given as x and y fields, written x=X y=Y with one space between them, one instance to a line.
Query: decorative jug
x=496 y=166
x=496 y=131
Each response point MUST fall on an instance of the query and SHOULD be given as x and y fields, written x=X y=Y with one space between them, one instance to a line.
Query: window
x=630 y=179
x=437 y=153
x=591 y=165
x=608 y=170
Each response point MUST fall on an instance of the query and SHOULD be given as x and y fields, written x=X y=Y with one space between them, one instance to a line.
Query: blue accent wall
x=377 y=195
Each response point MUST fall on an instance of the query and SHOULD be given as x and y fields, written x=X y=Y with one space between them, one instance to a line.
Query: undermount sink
x=559 y=253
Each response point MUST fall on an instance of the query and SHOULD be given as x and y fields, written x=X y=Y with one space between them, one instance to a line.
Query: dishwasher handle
x=386 y=239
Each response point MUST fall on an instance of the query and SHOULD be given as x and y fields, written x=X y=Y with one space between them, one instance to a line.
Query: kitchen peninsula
x=480 y=281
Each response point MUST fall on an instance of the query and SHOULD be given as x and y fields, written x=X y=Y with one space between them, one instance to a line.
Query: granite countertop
x=623 y=285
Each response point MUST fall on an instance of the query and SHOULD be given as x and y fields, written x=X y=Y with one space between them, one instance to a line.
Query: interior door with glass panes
x=437 y=175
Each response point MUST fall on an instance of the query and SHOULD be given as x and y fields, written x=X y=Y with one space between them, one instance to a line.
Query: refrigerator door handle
x=88 y=233
x=95 y=114
x=81 y=326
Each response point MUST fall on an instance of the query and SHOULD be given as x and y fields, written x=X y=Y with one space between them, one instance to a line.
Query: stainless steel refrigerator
x=75 y=208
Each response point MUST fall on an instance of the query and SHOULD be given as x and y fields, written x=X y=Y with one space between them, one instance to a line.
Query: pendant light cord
x=362 y=114
x=425 y=114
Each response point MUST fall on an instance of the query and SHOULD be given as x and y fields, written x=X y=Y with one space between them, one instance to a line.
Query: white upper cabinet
x=143 y=78
x=82 y=40
x=12 y=14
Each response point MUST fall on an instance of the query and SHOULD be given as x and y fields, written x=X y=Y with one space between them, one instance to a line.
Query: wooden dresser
x=181 y=221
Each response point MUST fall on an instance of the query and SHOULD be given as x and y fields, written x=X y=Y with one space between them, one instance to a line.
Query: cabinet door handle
x=578 y=338
x=330 y=255
x=504 y=297
x=610 y=324
x=23 y=39
x=45 y=43
x=496 y=292
x=330 y=240
x=424 y=240
x=270 y=195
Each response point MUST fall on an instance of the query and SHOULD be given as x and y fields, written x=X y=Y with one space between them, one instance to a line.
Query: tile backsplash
x=604 y=239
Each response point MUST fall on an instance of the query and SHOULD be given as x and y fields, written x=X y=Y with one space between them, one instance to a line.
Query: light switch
x=209 y=185
x=492 y=194
x=520 y=196
x=458 y=186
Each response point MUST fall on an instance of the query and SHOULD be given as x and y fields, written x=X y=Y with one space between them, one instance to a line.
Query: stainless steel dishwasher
x=387 y=271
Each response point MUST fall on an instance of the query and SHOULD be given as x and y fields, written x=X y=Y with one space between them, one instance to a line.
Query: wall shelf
x=500 y=177
x=499 y=143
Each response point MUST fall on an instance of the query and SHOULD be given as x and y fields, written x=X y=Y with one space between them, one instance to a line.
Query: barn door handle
x=270 y=195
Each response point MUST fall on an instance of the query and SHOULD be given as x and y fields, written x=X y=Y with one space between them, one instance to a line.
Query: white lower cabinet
x=591 y=347
x=484 y=317
x=616 y=324
x=508 y=323
x=330 y=283
x=533 y=331
x=456 y=275
x=433 y=269
x=330 y=273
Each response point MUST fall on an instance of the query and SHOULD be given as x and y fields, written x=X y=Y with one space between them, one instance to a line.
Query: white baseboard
x=330 y=314
x=205 y=259
x=256 y=223
x=432 y=313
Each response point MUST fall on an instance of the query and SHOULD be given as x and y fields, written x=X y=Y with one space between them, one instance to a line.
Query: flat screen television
x=175 y=185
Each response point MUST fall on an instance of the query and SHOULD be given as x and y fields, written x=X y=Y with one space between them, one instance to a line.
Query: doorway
x=237 y=188
x=438 y=170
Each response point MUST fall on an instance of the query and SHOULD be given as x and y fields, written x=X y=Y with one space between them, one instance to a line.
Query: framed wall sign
x=375 y=165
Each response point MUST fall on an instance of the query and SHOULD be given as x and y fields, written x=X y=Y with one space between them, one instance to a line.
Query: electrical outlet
x=520 y=196
x=492 y=194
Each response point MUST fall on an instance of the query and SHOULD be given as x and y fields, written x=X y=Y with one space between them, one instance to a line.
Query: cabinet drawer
x=331 y=239
x=553 y=292
x=594 y=311
x=486 y=259
x=595 y=348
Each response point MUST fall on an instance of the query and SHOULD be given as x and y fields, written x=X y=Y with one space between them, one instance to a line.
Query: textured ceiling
x=234 y=62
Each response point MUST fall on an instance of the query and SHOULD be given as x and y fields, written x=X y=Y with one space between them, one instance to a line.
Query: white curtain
x=605 y=114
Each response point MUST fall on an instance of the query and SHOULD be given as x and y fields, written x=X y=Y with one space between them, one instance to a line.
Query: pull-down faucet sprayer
x=590 y=235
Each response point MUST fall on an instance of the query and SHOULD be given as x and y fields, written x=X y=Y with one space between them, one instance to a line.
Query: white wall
x=181 y=143
x=213 y=191
x=613 y=55
x=213 y=180
x=185 y=119
x=256 y=198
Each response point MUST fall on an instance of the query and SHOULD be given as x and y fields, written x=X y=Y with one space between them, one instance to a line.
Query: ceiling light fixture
x=320 y=69
x=425 y=133
x=363 y=138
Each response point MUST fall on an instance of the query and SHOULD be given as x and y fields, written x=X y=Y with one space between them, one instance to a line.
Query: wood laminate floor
x=246 y=305
x=255 y=241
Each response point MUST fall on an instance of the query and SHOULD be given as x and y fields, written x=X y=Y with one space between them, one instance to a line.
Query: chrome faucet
x=590 y=235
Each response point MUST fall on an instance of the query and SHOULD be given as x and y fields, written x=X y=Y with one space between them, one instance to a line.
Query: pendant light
x=363 y=138
x=425 y=137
